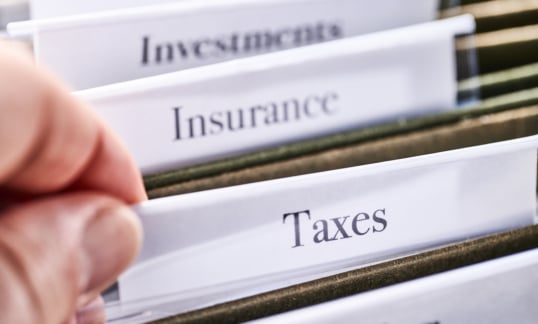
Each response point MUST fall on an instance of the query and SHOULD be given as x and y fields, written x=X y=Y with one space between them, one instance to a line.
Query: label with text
x=267 y=235
x=104 y=48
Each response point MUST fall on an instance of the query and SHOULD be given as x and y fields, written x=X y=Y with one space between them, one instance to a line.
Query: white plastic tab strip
x=103 y=48
x=213 y=246
x=498 y=291
x=217 y=111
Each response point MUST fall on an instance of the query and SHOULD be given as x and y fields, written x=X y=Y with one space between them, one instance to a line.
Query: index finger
x=51 y=141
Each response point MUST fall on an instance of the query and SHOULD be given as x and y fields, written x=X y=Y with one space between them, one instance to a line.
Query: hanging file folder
x=224 y=244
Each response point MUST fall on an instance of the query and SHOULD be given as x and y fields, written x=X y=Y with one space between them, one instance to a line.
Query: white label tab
x=104 y=48
x=499 y=291
x=222 y=110
x=222 y=244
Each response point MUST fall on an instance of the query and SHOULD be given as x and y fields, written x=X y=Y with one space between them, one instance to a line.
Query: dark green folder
x=372 y=277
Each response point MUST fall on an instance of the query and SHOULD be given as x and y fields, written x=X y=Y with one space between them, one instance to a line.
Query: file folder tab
x=103 y=48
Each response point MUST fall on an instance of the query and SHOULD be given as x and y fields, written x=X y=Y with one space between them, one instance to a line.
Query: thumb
x=58 y=253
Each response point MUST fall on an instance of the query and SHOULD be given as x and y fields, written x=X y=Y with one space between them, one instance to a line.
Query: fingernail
x=111 y=241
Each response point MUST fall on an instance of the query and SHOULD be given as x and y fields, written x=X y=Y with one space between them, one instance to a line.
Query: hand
x=65 y=179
